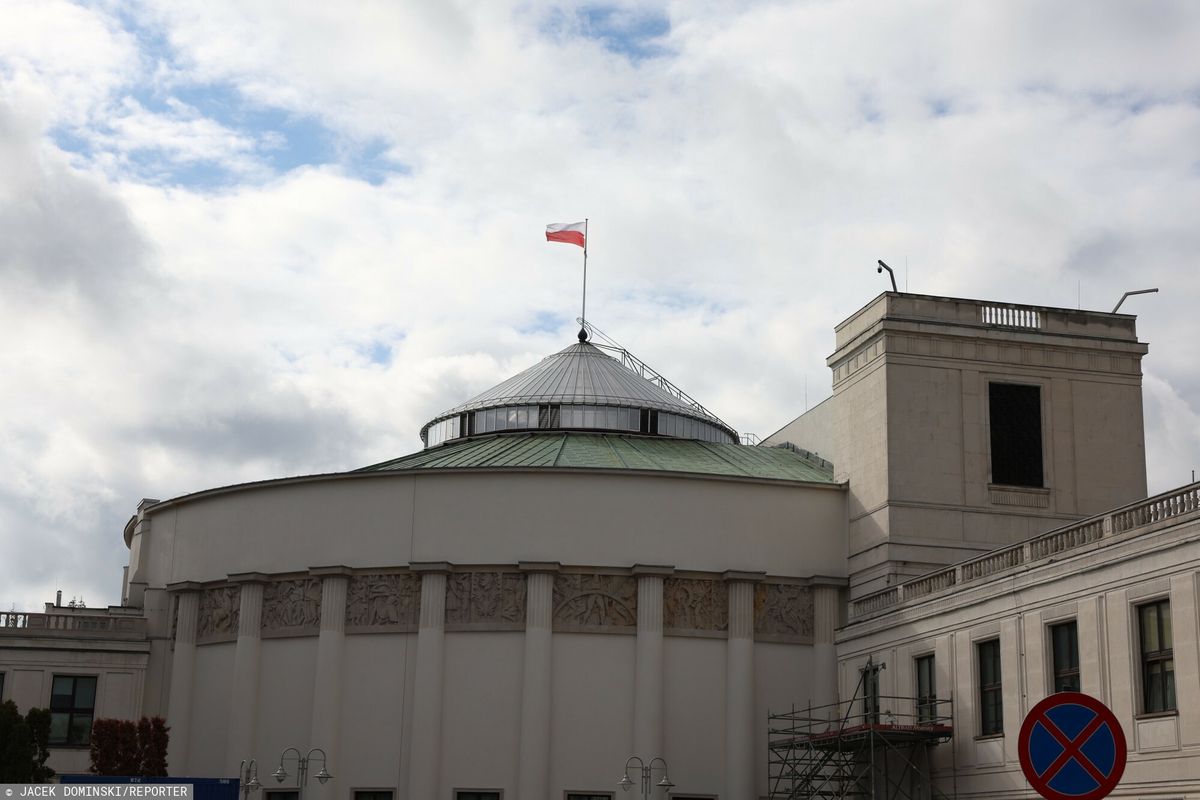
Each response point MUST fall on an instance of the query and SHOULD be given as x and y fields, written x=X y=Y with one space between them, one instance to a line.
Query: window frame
x=568 y=794
x=1042 y=427
x=74 y=710
x=1057 y=672
x=927 y=704
x=354 y=790
x=990 y=727
x=1164 y=657
x=458 y=792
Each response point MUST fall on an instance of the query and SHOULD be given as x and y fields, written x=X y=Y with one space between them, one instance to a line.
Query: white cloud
x=741 y=184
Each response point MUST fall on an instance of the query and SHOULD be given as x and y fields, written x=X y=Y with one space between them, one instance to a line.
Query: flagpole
x=583 y=311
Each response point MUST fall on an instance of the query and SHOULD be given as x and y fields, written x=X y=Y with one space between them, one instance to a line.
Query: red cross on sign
x=1071 y=748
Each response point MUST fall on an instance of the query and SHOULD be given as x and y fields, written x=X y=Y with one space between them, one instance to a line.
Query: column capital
x=249 y=577
x=734 y=576
x=331 y=571
x=827 y=581
x=652 y=569
x=539 y=566
x=434 y=567
x=184 y=586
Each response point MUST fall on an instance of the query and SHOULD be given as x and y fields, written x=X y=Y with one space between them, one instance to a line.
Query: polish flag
x=569 y=232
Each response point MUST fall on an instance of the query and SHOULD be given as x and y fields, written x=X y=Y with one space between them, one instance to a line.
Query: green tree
x=123 y=747
x=24 y=745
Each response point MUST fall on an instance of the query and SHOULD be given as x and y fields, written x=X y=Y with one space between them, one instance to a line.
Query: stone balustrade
x=1133 y=519
x=21 y=623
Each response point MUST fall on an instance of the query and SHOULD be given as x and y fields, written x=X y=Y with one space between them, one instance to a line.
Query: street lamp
x=249 y=778
x=280 y=774
x=645 y=774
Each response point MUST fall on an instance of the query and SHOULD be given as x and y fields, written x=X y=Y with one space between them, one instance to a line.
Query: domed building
x=584 y=565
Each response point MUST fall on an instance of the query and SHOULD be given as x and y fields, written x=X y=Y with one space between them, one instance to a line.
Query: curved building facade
x=580 y=566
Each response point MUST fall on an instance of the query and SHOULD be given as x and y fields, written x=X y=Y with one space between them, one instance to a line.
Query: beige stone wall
x=910 y=423
x=1098 y=585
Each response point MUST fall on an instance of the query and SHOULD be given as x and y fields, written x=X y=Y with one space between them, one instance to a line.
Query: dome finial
x=583 y=334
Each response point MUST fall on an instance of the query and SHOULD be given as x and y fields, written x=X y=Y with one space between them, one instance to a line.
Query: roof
x=574 y=450
x=580 y=374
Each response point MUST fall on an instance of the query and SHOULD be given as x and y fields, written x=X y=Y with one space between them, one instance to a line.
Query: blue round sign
x=1072 y=748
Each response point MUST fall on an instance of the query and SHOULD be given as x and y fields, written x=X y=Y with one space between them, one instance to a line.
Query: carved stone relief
x=486 y=599
x=595 y=601
x=383 y=600
x=695 y=604
x=293 y=604
x=783 y=611
x=220 y=608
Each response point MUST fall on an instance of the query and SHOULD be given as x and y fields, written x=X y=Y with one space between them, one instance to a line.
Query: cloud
x=253 y=239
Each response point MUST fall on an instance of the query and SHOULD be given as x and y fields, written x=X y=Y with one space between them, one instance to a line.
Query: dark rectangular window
x=1064 y=644
x=72 y=703
x=374 y=794
x=870 y=680
x=488 y=794
x=926 y=689
x=991 y=693
x=1015 y=413
x=589 y=796
x=281 y=794
x=1158 y=657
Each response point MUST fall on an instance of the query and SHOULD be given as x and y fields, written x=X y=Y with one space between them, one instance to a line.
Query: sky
x=247 y=239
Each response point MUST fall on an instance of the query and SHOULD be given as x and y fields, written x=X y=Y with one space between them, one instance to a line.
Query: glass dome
x=581 y=388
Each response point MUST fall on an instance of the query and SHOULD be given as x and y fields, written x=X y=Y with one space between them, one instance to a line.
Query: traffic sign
x=1071 y=748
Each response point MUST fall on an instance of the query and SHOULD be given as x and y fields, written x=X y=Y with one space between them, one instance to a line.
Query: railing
x=1166 y=506
x=22 y=623
x=1010 y=316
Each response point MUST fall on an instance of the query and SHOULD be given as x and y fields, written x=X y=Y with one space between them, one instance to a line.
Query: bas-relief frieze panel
x=695 y=605
x=220 y=608
x=595 y=602
x=491 y=600
x=783 y=612
x=291 y=606
x=383 y=602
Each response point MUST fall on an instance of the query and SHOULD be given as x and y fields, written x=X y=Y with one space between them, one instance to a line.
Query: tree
x=124 y=747
x=24 y=745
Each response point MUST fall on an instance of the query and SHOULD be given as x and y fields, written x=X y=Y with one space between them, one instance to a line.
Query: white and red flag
x=569 y=232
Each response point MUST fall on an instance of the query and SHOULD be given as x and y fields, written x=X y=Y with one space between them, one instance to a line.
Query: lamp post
x=248 y=773
x=645 y=773
x=302 y=763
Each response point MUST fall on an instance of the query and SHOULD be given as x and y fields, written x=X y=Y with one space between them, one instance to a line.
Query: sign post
x=1072 y=748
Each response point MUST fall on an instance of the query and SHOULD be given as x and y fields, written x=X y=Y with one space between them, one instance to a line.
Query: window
x=1 y=686
x=281 y=794
x=926 y=689
x=870 y=681
x=72 y=701
x=477 y=794
x=589 y=796
x=374 y=794
x=991 y=695
x=1064 y=646
x=1158 y=658
x=1016 y=421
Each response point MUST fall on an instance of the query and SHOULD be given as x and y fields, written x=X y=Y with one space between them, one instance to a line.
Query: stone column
x=648 y=667
x=533 y=767
x=183 y=672
x=826 y=618
x=740 y=727
x=327 y=686
x=425 y=749
x=243 y=701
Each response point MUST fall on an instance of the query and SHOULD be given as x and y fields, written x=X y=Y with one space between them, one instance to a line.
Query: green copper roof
x=572 y=450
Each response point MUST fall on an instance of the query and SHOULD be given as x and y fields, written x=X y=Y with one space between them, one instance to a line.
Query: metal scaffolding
x=857 y=751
